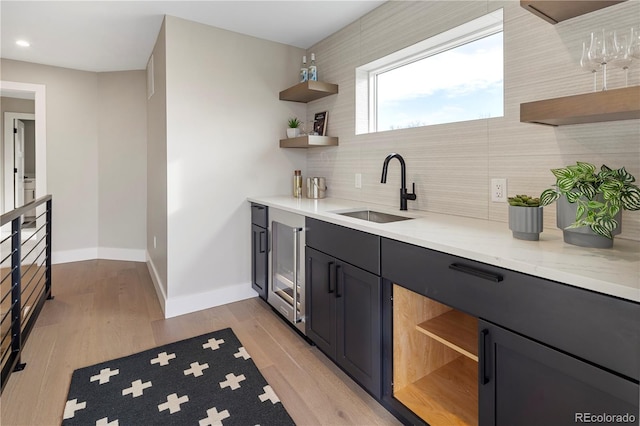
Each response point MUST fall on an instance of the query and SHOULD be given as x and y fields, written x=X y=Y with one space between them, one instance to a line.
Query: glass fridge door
x=286 y=262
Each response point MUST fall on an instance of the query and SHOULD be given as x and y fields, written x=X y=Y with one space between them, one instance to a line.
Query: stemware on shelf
x=602 y=50
x=622 y=57
x=588 y=64
x=634 y=44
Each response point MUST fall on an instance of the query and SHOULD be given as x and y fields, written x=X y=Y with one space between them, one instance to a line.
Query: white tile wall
x=452 y=164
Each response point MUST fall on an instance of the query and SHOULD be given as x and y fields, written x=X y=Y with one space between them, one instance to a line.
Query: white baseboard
x=108 y=253
x=157 y=283
x=196 y=302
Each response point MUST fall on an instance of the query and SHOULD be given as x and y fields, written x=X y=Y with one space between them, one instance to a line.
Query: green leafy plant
x=599 y=195
x=524 y=201
x=294 y=123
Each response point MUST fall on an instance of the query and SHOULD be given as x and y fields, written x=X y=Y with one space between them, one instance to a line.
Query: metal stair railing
x=25 y=278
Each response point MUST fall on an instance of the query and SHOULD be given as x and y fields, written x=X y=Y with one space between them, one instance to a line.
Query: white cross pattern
x=105 y=422
x=269 y=394
x=232 y=381
x=136 y=389
x=105 y=375
x=242 y=352
x=173 y=403
x=72 y=406
x=196 y=369
x=213 y=344
x=214 y=418
x=163 y=359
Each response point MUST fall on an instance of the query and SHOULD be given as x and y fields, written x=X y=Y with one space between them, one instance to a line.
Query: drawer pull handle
x=476 y=272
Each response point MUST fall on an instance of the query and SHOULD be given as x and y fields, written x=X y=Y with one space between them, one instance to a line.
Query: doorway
x=19 y=172
x=37 y=93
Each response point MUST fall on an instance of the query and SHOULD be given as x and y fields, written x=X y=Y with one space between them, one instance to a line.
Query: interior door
x=18 y=163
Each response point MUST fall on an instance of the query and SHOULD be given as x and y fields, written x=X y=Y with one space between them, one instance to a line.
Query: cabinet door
x=359 y=326
x=259 y=260
x=523 y=382
x=321 y=300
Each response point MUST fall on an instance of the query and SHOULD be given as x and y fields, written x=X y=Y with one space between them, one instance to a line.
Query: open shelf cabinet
x=308 y=91
x=435 y=368
x=308 y=141
x=608 y=105
x=560 y=10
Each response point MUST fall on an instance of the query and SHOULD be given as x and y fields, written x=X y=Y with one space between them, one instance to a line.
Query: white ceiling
x=120 y=35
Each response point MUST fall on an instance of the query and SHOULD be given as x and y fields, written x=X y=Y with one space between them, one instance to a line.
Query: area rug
x=205 y=380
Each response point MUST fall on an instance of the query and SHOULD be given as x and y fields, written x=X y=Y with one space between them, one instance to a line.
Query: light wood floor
x=108 y=309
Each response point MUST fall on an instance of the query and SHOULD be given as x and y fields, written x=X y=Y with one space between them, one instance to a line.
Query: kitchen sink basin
x=374 y=216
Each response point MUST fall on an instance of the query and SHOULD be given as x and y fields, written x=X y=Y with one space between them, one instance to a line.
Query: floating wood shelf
x=560 y=10
x=308 y=91
x=308 y=141
x=609 y=105
x=446 y=396
x=454 y=329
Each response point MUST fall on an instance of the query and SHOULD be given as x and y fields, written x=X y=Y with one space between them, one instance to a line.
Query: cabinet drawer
x=598 y=328
x=259 y=215
x=355 y=247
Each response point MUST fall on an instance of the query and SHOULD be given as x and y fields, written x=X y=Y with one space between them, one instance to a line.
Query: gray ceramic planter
x=525 y=222
x=583 y=236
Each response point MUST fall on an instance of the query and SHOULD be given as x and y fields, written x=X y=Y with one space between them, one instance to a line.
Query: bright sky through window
x=460 y=84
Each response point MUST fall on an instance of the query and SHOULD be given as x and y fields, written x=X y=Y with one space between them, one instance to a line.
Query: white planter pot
x=293 y=133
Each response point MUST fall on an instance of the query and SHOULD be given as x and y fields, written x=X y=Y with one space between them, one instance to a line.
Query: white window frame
x=366 y=75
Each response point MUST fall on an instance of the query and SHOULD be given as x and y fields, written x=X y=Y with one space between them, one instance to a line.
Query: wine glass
x=589 y=65
x=622 y=58
x=602 y=50
x=634 y=43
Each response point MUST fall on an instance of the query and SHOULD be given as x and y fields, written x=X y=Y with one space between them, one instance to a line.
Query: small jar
x=297 y=184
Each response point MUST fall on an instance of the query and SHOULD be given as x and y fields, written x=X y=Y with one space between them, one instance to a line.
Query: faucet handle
x=412 y=196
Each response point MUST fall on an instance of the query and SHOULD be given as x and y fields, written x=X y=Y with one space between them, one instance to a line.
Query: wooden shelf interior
x=308 y=91
x=435 y=380
x=308 y=141
x=608 y=105
x=560 y=10
x=454 y=329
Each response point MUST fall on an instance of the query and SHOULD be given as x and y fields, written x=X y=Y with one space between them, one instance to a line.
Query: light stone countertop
x=614 y=271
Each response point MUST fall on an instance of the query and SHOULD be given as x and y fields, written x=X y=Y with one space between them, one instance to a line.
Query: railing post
x=48 y=243
x=16 y=290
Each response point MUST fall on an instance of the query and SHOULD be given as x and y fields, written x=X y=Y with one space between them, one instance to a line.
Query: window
x=454 y=76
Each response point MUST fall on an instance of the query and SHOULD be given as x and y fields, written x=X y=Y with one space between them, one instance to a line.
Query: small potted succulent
x=293 y=130
x=525 y=217
x=590 y=202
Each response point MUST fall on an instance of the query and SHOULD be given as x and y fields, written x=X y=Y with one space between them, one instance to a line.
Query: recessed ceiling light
x=23 y=43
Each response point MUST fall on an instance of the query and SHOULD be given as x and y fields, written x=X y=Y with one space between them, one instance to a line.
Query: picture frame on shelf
x=320 y=123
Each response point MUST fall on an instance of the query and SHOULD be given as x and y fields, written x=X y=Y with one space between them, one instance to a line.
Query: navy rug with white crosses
x=205 y=380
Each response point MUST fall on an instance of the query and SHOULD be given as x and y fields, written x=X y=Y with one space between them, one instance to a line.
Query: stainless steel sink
x=373 y=216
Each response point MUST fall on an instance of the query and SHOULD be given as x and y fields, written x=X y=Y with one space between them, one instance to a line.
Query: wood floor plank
x=108 y=309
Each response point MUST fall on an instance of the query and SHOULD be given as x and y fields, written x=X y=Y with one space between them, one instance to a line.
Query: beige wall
x=80 y=108
x=122 y=160
x=157 y=169
x=452 y=164
x=224 y=121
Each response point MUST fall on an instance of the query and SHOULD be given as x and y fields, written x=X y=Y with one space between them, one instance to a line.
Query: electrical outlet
x=358 y=180
x=499 y=190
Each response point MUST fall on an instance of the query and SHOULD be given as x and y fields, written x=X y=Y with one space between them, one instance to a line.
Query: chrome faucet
x=404 y=196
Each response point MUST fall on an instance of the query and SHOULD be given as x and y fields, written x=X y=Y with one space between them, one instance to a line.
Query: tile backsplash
x=452 y=164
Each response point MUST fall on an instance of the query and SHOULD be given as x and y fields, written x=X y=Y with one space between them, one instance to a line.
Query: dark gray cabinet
x=523 y=382
x=547 y=351
x=259 y=249
x=344 y=301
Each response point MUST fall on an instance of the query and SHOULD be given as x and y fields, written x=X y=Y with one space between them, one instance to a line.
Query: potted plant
x=590 y=202
x=525 y=217
x=293 y=130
